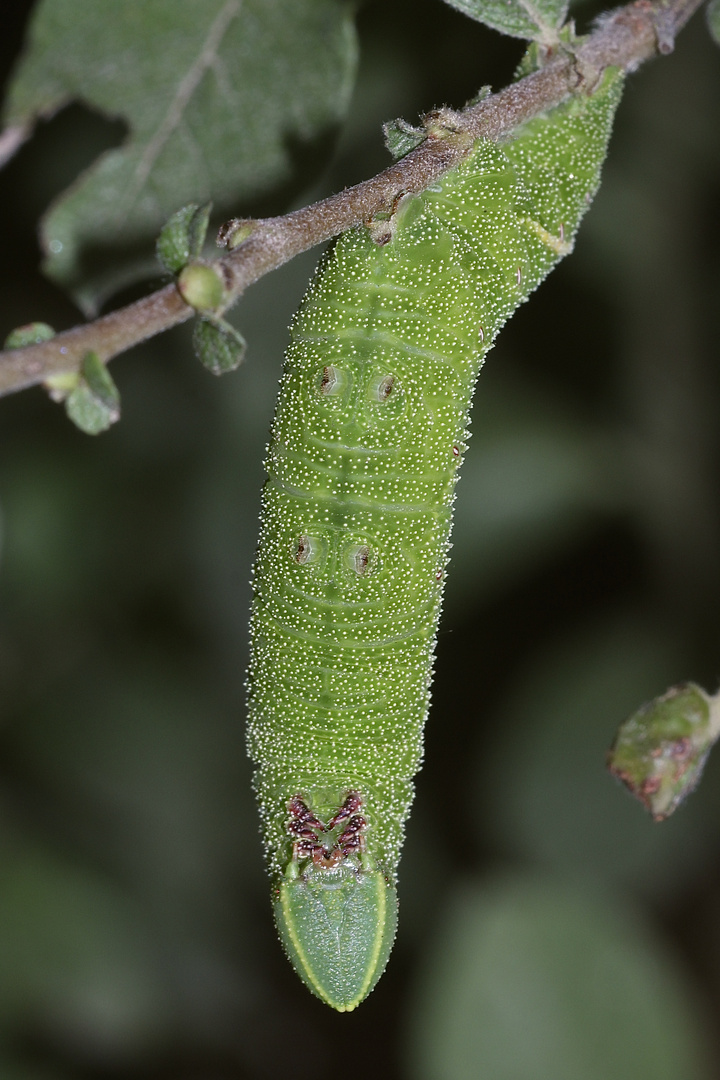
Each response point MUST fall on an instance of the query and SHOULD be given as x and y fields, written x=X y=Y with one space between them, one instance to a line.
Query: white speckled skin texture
x=368 y=436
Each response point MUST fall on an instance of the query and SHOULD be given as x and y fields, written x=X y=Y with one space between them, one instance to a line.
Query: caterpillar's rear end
x=368 y=436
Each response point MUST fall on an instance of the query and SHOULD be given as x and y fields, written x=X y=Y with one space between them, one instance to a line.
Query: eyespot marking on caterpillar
x=360 y=558
x=382 y=388
x=307 y=550
x=331 y=381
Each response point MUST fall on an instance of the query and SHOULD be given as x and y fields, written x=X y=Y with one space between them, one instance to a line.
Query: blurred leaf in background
x=538 y=478
x=521 y=19
x=529 y=979
x=220 y=99
x=74 y=955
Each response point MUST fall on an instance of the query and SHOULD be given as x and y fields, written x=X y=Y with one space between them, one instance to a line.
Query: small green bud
x=33 y=333
x=182 y=236
x=233 y=232
x=446 y=123
x=94 y=404
x=59 y=386
x=218 y=345
x=401 y=137
x=201 y=287
x=659 y=753
x=529 y=63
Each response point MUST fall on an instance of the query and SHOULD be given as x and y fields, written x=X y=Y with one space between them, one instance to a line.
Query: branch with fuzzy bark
x=623 y=38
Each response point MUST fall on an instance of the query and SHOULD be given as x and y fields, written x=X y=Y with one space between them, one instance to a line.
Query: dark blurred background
x=548 y=928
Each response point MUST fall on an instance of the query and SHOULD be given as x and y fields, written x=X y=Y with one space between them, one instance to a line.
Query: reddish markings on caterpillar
x=352 y=803
x=305 y=827
x=302 y=814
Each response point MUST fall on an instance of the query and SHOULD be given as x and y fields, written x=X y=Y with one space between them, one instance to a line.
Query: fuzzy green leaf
x=31 y=334
x=94 y=404
x=660 y=751
x=535 y=20
x=182 y=237
x=713 y=18
x=216 y=96
x=218 y=345
x=401 y=137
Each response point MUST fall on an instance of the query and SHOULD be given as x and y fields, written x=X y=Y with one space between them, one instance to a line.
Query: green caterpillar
x=368 y=436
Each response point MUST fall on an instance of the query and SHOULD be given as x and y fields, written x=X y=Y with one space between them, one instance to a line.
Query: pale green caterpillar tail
x=338 y=929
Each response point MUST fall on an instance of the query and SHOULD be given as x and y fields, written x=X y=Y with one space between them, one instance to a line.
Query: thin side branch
x=624 y=38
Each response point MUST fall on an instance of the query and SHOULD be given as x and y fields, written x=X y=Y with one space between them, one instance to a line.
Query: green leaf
x=531 y=980
x=182 y=237
x=215 y=95
x=60 y=385
x=713 y=18
x=94 y=404
x=218 y=345
x=660 y=751
x=30 y=334
x=401 y=137
x=536 y=20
